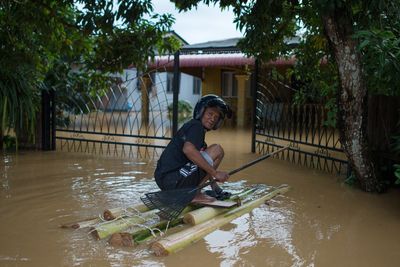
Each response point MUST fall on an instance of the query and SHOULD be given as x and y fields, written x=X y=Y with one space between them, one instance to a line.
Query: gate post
x=45 y=120
x=176 y=83
x=53 y=119
x=254 y=90
x=48 y=120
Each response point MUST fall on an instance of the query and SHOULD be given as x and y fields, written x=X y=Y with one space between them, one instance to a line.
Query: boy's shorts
x=189 y=175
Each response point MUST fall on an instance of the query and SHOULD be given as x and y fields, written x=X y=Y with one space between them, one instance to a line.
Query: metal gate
x=278 y=123
x=136 y=117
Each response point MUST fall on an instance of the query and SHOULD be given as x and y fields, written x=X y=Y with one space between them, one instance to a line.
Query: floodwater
x=319 y=222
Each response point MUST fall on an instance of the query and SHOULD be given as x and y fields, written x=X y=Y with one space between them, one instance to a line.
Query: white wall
x=159 y=97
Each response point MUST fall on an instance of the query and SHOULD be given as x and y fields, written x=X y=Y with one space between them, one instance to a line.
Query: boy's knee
x=221 y=151
x=216 y=151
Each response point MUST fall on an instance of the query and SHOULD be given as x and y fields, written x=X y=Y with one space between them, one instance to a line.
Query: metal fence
x=278 y=122
x=138 y=116
x=134 y=118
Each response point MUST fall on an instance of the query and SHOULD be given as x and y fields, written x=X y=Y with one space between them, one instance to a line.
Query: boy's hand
x=221 y=176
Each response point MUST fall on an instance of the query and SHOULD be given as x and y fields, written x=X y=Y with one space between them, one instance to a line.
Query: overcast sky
x=202 y=24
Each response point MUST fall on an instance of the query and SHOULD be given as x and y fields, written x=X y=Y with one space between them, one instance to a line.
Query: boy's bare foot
x=201 y=198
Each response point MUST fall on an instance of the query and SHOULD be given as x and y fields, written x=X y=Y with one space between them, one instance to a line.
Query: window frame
x=170 y=83
x=229 y=86
x=196 y=86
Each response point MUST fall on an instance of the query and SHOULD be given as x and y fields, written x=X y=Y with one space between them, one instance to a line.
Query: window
x=228 y=84
x=170 y=82
x=196 y=86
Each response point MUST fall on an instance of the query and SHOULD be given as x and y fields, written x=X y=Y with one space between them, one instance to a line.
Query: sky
x=206 y=23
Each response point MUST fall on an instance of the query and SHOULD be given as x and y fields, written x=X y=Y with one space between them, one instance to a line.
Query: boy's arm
x=194 y=155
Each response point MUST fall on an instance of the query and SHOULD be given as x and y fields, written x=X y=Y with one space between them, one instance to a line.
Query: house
x=159 y=86
x=223 y=70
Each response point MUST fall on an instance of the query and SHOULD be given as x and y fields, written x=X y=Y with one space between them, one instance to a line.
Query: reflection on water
x=6 y=160
x=319 y=222
x=273 y=225
x=276 y=225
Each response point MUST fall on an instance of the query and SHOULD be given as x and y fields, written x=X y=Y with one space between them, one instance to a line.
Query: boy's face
x=210 y=117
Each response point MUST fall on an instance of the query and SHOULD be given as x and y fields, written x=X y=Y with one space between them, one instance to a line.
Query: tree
x=354 y=36
x=42 y=40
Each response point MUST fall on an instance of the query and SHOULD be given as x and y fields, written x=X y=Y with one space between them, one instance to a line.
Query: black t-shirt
x=173 y=158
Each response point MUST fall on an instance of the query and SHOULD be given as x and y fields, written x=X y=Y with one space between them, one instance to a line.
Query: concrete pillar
x=241 y=100
x=145 y=88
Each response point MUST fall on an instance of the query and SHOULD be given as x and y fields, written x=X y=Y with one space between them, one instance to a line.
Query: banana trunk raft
x=140 y=226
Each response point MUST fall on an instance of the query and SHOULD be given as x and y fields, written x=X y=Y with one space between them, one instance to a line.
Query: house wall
x=164 y=98
x=212 y=85
x=186 y=90
x=159 y=97
x=212 y=81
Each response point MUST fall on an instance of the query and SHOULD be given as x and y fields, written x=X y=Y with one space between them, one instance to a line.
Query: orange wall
x=212 y=81
x=212 y=85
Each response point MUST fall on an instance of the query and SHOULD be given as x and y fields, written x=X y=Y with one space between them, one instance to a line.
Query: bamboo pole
x=82 y=224
x=178 y=241
x=108 y=228
x=203 y=214
x=139 y=234
x=108 y=215
x=111 y=214
x=142 y=233
x=115 y=212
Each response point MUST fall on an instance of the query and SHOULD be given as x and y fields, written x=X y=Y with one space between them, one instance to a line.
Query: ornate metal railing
x=303 y=128
x=133 y=118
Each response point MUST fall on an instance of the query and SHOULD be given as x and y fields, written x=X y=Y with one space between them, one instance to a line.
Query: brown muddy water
x=319 y=222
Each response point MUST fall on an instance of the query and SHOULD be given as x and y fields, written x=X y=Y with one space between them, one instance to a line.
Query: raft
x=138 y=225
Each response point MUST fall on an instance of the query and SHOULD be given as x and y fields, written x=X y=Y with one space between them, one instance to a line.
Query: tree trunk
x=352 y=99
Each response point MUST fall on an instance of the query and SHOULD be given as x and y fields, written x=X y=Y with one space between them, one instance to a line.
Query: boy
x=187 y=161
